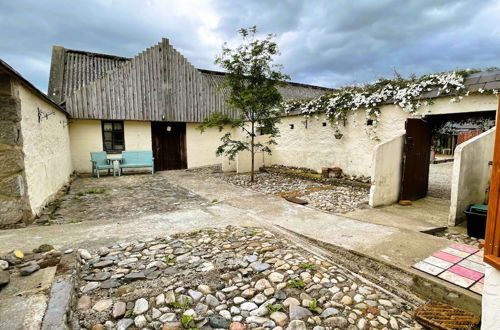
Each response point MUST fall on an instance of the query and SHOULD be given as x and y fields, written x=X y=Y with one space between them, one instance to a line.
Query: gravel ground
x=336 y=199
x=440 y=180
x=236 y=278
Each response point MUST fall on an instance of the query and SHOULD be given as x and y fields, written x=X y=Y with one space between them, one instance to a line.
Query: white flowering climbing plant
x=408 y=94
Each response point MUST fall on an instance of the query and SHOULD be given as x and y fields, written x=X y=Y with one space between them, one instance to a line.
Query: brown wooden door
x=416 y=159
x=169 y=145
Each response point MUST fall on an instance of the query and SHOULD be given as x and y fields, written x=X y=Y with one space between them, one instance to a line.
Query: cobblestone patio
x=92 y=199
x=232 y=278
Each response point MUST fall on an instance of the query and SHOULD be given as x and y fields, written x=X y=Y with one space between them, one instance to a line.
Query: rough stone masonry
x=14 y=207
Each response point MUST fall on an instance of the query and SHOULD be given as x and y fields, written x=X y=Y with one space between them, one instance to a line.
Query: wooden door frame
x=157 y=126
x=492 y=240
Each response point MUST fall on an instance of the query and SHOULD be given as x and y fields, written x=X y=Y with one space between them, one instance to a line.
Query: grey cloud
x=323 y=42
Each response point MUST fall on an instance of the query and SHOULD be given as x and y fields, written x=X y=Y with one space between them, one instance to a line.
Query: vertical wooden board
x=170 y=87
x=136 y=87
x=147 y=71
x=152 y=78
x=121 y=79
x=107 y=96
x=98 y=84
x=154 y=75
x=128 y=96
x=142 y=84
x=112 y=94
x=160 y=82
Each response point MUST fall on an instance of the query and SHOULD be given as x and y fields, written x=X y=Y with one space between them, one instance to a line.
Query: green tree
x=252 y=78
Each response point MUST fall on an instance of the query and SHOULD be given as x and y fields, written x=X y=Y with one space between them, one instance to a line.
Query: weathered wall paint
x=46 y=148
x=86 y=137
x=491 y=299
x=201 y=147
x=386 y=173
x=471 y=174
x=316 y=147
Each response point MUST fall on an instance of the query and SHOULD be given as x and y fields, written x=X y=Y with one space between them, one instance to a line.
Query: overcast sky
x=328 y=43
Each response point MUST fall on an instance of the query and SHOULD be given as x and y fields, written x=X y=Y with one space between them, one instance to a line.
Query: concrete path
x=401 y=247
x=238 y=206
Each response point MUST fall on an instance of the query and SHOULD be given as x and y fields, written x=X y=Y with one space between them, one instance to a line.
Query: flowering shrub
x=408 y=94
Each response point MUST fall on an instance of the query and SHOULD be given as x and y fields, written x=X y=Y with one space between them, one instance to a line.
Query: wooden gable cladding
x=159 y=84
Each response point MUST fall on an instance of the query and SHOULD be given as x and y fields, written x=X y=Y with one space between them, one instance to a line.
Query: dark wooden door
x=169 y=145
x=416 y=159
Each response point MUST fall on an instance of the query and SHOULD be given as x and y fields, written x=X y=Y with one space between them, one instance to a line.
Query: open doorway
x=429 y=150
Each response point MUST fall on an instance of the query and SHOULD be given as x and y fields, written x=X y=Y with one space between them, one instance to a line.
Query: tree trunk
x=252 y=151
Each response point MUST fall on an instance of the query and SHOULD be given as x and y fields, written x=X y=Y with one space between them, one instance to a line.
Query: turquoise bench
x=100 y=162
x=137 y=159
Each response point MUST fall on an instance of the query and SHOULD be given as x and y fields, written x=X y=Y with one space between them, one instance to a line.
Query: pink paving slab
x=477 y=288
x=465 y=248
x=446 y=256
x=427 y=268
x=481 y=280
x=466 y=272
x=456 y=279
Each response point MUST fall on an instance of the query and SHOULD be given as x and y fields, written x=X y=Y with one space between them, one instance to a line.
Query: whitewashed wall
x=471 y=174
x=316 y=146
x=46 y=148
x=86 y=137
x=387 y=171
x=201 y=147
x=491 y=300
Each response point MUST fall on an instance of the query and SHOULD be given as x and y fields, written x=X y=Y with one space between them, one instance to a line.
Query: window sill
x=113 y=151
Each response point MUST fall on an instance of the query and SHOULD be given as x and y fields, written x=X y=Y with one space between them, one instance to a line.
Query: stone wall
x=14 y=205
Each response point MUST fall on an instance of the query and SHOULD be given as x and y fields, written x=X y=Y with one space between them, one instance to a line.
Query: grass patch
x=185 y=305
x=274 y=308
x=296 y=283
x=75 y=221
x=186 y=321
x=308 y=265
x=129 y=188
x=94 y=191
x=313 y=306
x=169 y=260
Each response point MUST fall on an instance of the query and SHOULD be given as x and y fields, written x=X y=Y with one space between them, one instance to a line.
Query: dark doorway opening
x=169 y=145
x=433 y=140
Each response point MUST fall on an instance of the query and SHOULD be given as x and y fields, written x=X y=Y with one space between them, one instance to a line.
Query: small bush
x=308 y=265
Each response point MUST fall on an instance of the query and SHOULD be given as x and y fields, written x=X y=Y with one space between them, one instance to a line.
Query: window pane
x=108 y=145
x=108 y=136
x=108 y=126
x=117 y=126
x=119 y=147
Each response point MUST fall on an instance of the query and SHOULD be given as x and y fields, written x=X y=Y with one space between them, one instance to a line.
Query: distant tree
x=252 y=78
